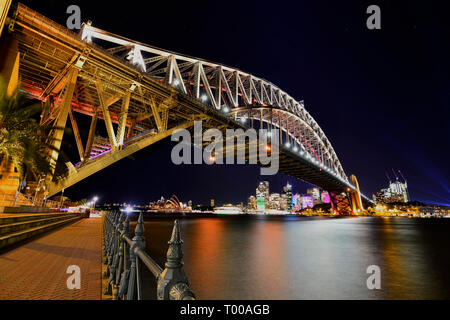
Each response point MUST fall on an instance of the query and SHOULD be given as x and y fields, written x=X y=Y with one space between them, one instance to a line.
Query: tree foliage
x=23 y=140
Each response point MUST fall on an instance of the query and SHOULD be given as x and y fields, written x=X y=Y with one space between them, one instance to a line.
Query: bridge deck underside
x=295 y=166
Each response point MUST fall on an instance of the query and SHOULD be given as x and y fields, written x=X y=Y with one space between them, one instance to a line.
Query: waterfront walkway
x=37 y=269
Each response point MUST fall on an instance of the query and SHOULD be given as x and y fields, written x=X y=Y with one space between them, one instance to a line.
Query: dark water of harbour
x=248 y=257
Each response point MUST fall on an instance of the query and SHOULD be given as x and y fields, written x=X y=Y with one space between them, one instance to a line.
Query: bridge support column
x=9 y=76
x=91 y=136
x=340 y=203
x=9 y=63
x=106 y=115
x=60 y=122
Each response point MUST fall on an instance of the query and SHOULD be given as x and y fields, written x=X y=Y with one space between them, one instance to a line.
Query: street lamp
x=94 y=200
x=38 y=188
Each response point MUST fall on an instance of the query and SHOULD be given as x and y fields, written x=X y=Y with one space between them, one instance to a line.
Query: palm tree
x=23 y=140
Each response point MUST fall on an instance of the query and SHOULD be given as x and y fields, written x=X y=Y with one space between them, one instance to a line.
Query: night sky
x=381 y=96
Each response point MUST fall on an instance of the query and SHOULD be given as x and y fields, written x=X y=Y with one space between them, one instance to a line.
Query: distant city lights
x=129 y=209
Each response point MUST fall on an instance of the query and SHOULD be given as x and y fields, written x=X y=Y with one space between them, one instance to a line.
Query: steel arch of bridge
x=230 y=90
x=143 y=94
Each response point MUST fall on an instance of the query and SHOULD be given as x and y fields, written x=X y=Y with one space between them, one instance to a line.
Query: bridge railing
x=124 y=255
x=17 y=200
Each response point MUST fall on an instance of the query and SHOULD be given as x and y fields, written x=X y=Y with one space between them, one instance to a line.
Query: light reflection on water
x=243 y=257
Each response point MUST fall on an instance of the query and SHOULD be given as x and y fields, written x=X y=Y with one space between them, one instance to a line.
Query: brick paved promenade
x=37 y=269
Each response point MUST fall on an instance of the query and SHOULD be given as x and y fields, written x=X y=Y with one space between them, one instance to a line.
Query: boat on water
x=228 y=210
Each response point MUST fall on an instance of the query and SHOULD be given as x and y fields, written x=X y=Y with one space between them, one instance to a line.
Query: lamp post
x=94 y=200
x=38 y=188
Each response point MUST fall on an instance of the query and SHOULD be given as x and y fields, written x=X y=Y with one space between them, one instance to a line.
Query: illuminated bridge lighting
x=124 y=71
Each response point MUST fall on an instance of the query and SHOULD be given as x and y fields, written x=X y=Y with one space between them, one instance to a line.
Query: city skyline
x=397 y=191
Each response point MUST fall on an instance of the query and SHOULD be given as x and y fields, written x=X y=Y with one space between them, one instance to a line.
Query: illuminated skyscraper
x=397 y=192
x=288 y=192
x=251 y=205
x=315 y=194
x=262 y=196
x=400 y=190
x=306 y=202
x=274 y=201
x=296 y=201
x=325 y=197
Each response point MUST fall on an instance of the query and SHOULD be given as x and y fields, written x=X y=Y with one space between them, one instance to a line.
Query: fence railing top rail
x=124 y=254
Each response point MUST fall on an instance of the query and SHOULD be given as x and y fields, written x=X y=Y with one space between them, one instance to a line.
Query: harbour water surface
x=291 y=257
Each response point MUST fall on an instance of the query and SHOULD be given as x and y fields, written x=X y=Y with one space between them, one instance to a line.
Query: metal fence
x=124 y=256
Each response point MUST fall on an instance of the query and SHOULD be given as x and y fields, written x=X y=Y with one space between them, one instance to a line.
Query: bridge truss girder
x=153 y=92
x=226 y=88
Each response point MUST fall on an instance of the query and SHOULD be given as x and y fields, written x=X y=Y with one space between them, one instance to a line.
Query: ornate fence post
x=105 y=234
x=172 y=282
x=109 y=250
x=123 y=286
x=134 y=283
x=105 y=240
x=119 y=258
x=113 y=256
x=109 y=217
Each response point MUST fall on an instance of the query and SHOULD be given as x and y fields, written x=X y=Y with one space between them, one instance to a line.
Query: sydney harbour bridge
x=142 y=94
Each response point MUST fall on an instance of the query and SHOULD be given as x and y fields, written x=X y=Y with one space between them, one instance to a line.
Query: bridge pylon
x=355 y=196
x=349 y=202
x=340 y=203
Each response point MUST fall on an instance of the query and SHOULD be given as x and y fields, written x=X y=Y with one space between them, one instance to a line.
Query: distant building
x=262 y=196
x=315 y=194
x=306 y=202
x=283 y=201
x=400 y=189
x=251 y=203
x=288 y=192
x=325 y=197
x=397 y=192
x=212 y=203
x=274 y=201
x=296 y=201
